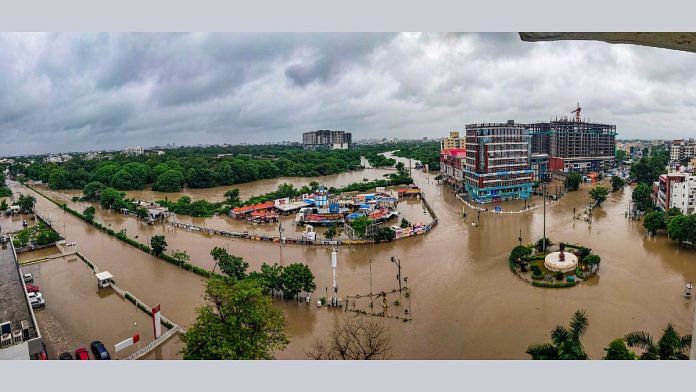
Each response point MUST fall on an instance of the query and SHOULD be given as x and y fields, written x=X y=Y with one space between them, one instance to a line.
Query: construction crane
x=577 y=112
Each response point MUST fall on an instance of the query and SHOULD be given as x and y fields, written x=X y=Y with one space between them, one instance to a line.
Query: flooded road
x=465 y=303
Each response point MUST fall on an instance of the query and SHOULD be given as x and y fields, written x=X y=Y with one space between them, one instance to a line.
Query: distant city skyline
x=81 y=92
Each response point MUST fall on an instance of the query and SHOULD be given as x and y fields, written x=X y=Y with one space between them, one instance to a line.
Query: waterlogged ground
x=465 y=303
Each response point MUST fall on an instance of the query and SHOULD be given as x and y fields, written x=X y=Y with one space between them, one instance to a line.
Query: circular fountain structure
x=560 y=261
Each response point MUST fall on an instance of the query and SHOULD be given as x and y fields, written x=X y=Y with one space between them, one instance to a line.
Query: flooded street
x=465 y=303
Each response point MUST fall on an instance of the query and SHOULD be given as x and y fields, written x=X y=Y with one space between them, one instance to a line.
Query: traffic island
x=546 y=265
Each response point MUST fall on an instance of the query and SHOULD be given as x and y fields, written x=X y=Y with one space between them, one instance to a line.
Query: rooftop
x=14 y=306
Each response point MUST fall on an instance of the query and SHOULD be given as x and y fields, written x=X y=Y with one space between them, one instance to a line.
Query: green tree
x=238 y=321
x=682 y=228
x=89 y=214
x=201 y=177
x=360 y=226
x=621 y=156
x=539 y=245
x=654 y=221
x=297 y=277
x=110 y=198
x=565 y=343
x=92 y=190
x=331 y=232
x=232 y=197
x=617 y=182
x=59 y=179
x=670 y=345
x=404 y=223
x=599 y=195
x=269 y=277
x=181 y=257
x=158 y=244
x=385 y=234
x=617 y=350
x=572 y=182
x=169 y=181
x=125 y=180
x=641 y=197
x=105 y=174
x=3 y=205
x=519 y=252
x=26 y=202
x=141 y=213
x=233 y=266
x=593 y=261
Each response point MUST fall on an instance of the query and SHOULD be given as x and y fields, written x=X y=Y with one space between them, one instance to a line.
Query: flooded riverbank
x=465 y=301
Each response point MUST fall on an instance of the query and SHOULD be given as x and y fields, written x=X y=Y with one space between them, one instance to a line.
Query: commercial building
x=575 y=145
x=19 y=333
x=682 y=150
x=497 y=163
x=327 y=139
x=452 y=141
x=540 y=167
x=452 y=167
x=138 y=150
x=675 y=190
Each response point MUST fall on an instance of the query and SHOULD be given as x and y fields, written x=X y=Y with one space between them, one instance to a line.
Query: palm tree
x=565 y=343
x=670 y=345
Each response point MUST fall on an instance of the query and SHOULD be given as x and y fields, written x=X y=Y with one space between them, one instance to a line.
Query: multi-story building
x=497 y=163
x=575 y=146
x=326 y=139
x=452 y=141
x=682 y=150
x=138 y=150
x=675 y=190
x=540 y=167
x=452 y=166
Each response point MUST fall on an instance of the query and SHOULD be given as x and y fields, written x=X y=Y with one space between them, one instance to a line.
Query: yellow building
x=453 y=141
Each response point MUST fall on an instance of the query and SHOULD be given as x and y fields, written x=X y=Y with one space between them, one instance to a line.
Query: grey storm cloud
x=76 y=92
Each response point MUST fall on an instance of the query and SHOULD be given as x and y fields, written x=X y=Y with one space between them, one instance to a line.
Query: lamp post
x=543 y=238
x=397 y=262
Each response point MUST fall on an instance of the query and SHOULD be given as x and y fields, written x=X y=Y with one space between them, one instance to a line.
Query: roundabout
x=561 y=261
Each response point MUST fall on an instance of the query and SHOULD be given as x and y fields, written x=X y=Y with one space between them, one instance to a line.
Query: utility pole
x=398 y=274
x=520 y=237
x=543 y=238
x=372 y=304
x=334 y=264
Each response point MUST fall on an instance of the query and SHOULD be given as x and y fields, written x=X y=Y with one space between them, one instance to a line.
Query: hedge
x=552 y=284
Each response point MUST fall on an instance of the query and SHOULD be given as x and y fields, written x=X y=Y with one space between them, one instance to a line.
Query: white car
x=28 y=278
x=34 y=296
x=36 y=300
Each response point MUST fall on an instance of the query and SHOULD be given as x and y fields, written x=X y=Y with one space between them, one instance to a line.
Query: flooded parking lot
x=465 y=302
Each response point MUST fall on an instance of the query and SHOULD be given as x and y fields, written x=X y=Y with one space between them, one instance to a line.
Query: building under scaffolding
x=575 y=145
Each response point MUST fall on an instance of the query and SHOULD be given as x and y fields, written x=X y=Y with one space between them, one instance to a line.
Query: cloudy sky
x=76 y=92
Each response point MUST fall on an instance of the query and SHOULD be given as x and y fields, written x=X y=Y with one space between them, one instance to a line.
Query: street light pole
x=398 y=274
x=543 y=238
x=372 y=304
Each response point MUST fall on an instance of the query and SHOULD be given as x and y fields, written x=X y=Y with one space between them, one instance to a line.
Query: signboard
x=127 y=343
x=157 y=325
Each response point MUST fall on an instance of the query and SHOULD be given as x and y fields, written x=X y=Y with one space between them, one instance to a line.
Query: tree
x=3 y=205
x=158 y=244
x=356 y=338
x=169 y=181
x=519 y=253
x=621 y=156
x=297 y=277
x=539 y=245
x=59 y=179
x=238 y=321
x=106 y=173
x=201 y=177
x=404 y=223
x=181 y=257
x=92 y=190
x=401 y=167
x=593 y=261
x=599 y=195
x=385 y=234
x=233 y=266
x=565 y=343
x=331 y=232
x=682 y=228
x=89 y=214
x=654 y=221
x=360 y=225
x=648 y=169
x=141 y=212
x=670 y=345
x=110 y=197
x=642 y=197
x=617 y=350
x=232 y=197
x=617 y=183
x=26 y=203
x=572 y=182
x=269 y=277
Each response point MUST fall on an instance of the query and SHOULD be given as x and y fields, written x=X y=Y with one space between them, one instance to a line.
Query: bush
x=553 y=284
x=519 y=252
x=559 y=275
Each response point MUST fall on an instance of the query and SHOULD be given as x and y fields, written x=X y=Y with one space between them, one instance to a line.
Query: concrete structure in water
x=497 y=164
x=19 y=333
x=327 y=139
x=575 y=145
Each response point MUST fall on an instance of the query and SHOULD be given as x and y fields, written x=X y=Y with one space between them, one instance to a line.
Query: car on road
x=32 y=288
x=99 y=350
x=66 y=356
x=28 y=278
x=81 y=354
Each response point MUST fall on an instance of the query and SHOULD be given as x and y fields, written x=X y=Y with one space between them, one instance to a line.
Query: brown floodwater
x=465 y=302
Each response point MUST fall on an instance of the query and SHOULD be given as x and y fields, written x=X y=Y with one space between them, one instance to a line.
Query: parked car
x=32 y=288
x=36 y=300
x=28 y=278
x=81 y=354
x=66 y=355
x=99 y=350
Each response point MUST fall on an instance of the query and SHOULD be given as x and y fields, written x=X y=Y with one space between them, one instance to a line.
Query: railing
x=153 y=345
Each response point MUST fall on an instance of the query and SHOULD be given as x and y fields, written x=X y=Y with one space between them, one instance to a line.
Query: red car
x=32 y=288
x=81 y=354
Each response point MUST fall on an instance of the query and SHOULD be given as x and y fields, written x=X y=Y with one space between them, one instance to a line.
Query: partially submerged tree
x=599 y=195
x=238 y=321
x=617 y=350
x=158 y=244
x=89 y=214
x=356 y=338
x=572 y=182
x=233 y=266
x=565 y=343
x=617 y=183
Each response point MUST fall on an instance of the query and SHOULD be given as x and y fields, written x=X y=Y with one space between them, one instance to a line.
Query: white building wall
x=683 y=195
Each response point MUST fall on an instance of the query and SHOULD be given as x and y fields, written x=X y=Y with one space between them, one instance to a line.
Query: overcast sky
x=76 y=92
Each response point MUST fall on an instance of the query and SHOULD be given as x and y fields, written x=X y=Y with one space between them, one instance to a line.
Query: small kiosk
x=104 y=279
